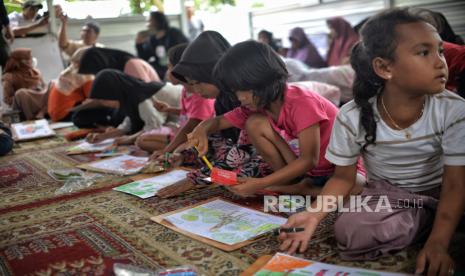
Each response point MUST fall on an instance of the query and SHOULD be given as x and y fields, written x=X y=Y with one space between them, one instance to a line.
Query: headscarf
x=24 y=75
x=455 y=57
x=307 y=53
x=341 y=45
x=110 y=84
x=197 y=63
x=70 y=79
x=96 y=59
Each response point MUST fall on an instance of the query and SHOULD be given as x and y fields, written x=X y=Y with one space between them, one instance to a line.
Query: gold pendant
x=408 y=135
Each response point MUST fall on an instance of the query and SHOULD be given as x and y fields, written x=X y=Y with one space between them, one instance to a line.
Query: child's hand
x=95 y=138
x=161 y=106
x=435 y=260
x=198 y=138
x=176 y=189
x=293 y=241
x=247 y=186
x=157 y=156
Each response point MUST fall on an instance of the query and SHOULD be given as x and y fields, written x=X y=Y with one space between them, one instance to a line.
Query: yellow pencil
x=209 y=165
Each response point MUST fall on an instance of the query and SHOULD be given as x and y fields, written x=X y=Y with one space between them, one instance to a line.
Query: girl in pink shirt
x=289 y=126
x=194 y=109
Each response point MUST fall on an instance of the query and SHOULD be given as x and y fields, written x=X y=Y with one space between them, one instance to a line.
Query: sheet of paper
x=282 y=264
x=31 y=130
x=61 y=125
x=124 y=164
x=149 y=187
x=83 y=146
x=225 y=222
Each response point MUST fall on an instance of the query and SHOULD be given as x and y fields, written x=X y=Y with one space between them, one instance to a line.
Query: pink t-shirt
x=301 y=109
x=140 y=69
x=193 y=106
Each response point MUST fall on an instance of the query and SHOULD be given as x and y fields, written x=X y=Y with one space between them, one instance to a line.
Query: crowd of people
x=398 y=133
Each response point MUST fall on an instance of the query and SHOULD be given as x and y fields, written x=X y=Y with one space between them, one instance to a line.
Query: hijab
x=111 y=84
x=70 y=79
x=307 y=53
x=24 y=75
x=197 y=63
x=96 y=59
x=342 y=43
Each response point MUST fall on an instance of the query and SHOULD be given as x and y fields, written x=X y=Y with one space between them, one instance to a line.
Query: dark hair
x=160 y=19
x=175 y=53
x=439 y=21
x=378 y=39
x=251 y=65
x=271 y=40
x=93 y=26
x=360 y=24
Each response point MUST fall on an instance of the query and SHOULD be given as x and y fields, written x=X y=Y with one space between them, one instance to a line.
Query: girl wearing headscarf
x=96 y=59
x=343 y=37
x=111 y=84
x=303 y=49
x=229 y=149
x=23 y=86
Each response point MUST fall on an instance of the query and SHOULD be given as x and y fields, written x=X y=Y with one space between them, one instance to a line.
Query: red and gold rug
x=24 y=178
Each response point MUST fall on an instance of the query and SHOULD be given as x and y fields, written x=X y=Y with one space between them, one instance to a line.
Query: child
x=194 y=109
x=134 y=97
x=289 y=126
x=227 y=150
x=409 y=131
x=96 y=59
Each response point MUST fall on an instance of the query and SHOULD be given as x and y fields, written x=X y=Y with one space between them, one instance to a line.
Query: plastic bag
x=132 y=270
x=73 y=179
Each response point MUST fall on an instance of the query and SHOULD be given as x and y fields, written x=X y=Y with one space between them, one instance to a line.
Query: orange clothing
x=59 y=104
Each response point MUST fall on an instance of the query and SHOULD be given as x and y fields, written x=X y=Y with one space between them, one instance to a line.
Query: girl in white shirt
x=409 y=131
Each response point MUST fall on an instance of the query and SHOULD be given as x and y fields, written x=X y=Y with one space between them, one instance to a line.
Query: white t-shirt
x=17 y=20
x=416 y=164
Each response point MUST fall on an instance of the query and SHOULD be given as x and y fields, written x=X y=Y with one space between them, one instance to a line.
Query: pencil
x=209 y=165
x=288 y=230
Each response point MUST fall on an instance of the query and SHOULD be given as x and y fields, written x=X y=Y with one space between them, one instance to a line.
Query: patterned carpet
x=89 y=233
x=24 y=178
x=85 y=233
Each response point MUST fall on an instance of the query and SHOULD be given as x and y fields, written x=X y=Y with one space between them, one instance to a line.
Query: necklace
x=408 y=135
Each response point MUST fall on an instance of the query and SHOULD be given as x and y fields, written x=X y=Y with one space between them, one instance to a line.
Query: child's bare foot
x=176 y=189
x=303 y=187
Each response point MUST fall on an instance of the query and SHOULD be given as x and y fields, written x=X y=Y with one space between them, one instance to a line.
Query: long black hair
x=378 y=39
x=251 y=65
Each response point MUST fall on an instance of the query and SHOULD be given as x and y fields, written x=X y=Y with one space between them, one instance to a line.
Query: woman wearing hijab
x=134 y=98
x=303 y=49
x=343 y=37
x=23 y=86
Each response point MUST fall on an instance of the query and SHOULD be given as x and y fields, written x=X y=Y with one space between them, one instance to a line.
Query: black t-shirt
x=155 y=50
